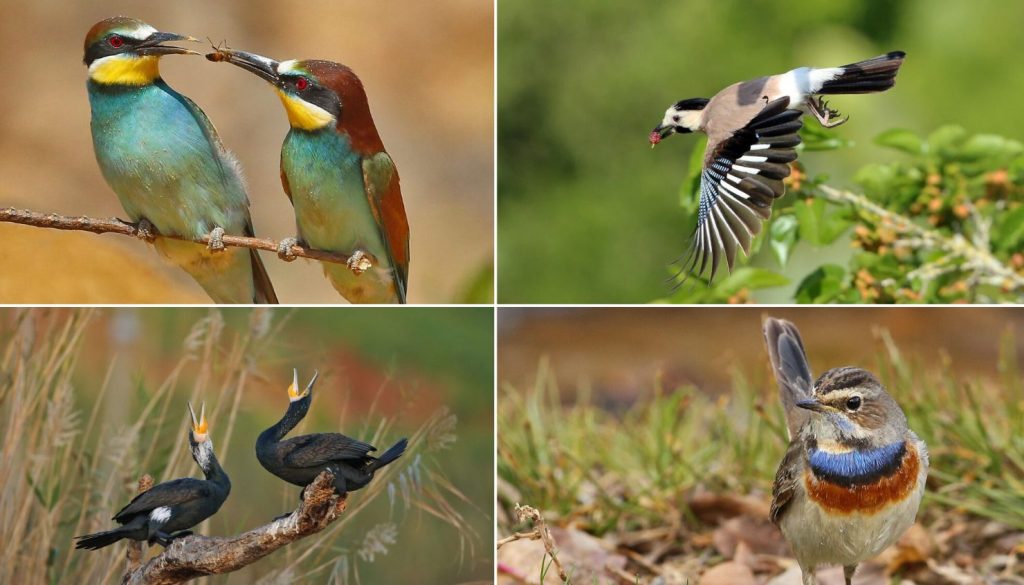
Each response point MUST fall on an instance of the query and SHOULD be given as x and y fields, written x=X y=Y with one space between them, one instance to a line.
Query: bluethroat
x=852 y=478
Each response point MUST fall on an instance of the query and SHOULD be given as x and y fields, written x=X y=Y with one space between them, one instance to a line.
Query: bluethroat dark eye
x=853 y=403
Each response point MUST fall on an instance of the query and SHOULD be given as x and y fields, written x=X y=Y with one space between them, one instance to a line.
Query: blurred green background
x=589 y=214
x=399 y=366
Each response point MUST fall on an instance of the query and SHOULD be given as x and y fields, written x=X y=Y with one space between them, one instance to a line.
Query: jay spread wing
x=741 y=178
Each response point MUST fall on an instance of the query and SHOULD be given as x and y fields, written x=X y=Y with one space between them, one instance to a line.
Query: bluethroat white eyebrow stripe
x=857 y=467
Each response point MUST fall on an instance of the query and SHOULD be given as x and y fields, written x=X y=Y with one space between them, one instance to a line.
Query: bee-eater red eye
x=301 y=83
x=116 y=41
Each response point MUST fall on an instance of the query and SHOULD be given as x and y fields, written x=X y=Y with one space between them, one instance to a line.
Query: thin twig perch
x=117 y=226
x=541 y=532
x=196 y=556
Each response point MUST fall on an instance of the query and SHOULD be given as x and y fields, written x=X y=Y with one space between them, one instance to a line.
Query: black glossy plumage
x=299 y=460
x=165 y=510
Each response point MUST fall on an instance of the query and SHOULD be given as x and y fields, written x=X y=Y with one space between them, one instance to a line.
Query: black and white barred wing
x=740 y=180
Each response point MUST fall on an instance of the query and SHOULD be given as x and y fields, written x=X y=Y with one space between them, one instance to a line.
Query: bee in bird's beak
x=198 y=426
x=293 y=389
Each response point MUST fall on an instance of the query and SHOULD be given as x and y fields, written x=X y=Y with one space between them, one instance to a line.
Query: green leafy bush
x=945 y=225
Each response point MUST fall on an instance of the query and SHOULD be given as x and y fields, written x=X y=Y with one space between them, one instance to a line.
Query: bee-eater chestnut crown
x=126 y=51
x=316 y=93
x=343 y=184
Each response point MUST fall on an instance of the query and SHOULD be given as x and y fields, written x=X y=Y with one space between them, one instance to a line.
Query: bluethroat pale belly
x=852 y=478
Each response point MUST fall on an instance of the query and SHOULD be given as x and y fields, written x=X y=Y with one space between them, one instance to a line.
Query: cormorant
x=167 y=510
x=300 y=459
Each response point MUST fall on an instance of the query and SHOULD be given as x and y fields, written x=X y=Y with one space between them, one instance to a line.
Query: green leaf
x=1009 y=233
x=815 y=138
x=751 y=278
x=946 y=140
x=819 y=224
x=782 y=236
x=901 y=139
x=821 y=286
x=982 y=146
x=691 y=187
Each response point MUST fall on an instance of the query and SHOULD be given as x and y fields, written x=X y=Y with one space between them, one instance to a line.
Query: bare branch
x=134 y=556
x=116 y=226
x=196 y=556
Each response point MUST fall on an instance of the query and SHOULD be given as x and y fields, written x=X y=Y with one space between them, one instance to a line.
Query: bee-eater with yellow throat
x=161 y=155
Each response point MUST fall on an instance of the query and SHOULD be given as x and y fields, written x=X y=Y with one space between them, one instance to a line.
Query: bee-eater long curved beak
x=263 y=67
x=152 y=46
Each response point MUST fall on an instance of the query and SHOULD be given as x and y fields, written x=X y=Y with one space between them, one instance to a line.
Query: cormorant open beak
x=263 y=67
x=152 y=46
x=812 y=404
x=293 y=389
x=198 y=426
x=660 y=133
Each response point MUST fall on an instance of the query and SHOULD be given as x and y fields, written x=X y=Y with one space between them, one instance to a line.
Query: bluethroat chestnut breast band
x=852 y=478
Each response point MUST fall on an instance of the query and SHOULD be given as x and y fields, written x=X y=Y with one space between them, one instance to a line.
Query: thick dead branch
x=196 y=556
x=134 y=556
x=116 y=226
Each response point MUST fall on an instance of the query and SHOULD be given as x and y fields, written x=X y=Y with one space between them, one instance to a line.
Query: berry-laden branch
x=197 y=556
x=357 y=264
x=977 y=258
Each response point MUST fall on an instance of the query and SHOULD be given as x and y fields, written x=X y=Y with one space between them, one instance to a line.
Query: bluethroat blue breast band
x=852 y=478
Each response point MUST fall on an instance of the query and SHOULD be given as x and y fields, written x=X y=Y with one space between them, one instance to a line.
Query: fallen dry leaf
x=757 y=533
x=728 y=573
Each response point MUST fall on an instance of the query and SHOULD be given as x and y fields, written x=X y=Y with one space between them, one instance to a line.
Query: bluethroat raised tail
x=852 y=478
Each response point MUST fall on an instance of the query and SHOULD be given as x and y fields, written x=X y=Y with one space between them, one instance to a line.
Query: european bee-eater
x=161 y=155
x=342 y=183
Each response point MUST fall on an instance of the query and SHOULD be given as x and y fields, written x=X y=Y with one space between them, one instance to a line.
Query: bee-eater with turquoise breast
x=161 y=155
x=342 y=183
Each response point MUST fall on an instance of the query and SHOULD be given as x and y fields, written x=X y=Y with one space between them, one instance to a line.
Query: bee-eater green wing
x=264 y=289
x=385 y=195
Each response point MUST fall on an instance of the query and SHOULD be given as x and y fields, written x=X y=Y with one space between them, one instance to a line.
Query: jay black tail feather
x=872 y=75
